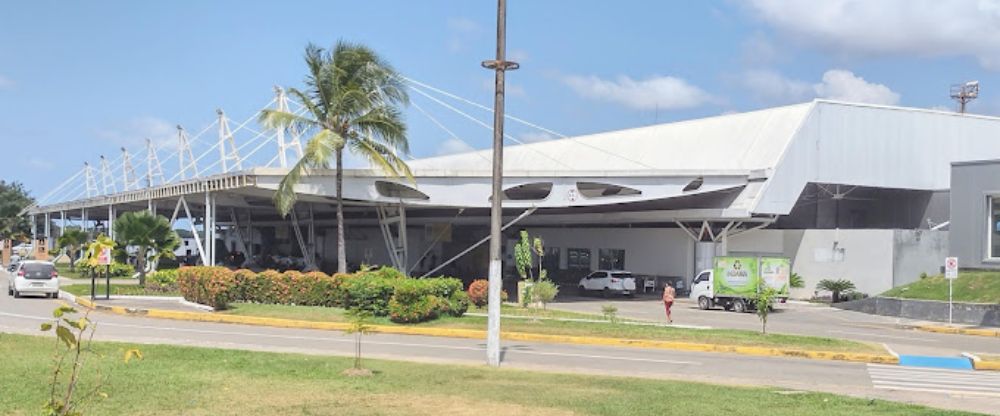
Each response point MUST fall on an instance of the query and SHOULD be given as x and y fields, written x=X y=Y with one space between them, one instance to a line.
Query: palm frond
x=316 y=155
x=283 y=120
x=385 y=125
x=381 y=156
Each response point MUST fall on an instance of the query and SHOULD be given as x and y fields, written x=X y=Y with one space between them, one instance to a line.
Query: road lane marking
x=382 y=343
x=934 y=380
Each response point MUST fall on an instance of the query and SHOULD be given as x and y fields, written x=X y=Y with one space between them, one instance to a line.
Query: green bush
x=162 y=281
x=544 y=292
x=370 y=292
x=118 y=270
x=380 y=292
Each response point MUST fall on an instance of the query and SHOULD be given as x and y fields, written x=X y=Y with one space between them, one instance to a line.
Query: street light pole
x=495 y=277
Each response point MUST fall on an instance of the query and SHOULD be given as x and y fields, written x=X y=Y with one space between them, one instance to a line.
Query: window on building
x=578 y=258
x=994 y=223
x=552 y=258
x=611 y=259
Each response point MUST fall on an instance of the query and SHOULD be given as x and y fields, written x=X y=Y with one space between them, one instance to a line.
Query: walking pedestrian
x=668 y=300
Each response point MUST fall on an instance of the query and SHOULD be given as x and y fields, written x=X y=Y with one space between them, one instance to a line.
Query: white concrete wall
x=864 y=257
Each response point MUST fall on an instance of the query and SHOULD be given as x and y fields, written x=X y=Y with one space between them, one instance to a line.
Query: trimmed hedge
x=383 y=292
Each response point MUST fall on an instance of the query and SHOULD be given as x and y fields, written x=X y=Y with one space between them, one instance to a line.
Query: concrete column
x=210 y=228
x=111 y=221
x=704 y=255
x=48 y=232
x=62 y=223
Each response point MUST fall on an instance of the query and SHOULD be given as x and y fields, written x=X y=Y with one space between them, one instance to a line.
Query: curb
x=941 y=329
x=479 y=334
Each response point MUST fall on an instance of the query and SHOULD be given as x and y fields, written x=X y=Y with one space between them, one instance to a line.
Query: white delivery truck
x=733 y=282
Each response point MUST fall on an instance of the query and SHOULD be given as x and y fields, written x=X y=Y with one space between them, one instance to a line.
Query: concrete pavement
x=24 y=316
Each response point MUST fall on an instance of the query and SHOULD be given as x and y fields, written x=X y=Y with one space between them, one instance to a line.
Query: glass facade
x=611 y=259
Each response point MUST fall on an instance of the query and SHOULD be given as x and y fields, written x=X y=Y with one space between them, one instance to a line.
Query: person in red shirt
x=668 y=300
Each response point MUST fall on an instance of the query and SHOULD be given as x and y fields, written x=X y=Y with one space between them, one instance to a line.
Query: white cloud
x=454 y=145
x=839 y=84
x=464 y=24
x=926 y=28
x=658 y=92
x=462 y=31
x=133 y=133
x=535 y=137
x=518 y=55
x=773 y=87
x=836 y=84
x=6 y=83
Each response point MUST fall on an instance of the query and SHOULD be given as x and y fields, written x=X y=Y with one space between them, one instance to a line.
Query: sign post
x=103 y=259
x=950 y=273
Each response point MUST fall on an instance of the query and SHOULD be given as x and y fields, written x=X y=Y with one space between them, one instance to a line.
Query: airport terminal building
x=845 y=190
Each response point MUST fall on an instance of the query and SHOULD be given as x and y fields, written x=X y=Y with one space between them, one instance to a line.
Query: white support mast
x=294 y=144
x=107 y=181
x=227 y=145
x=129 y=178
x=90 y=180
x=185 y=155
x=153 y=167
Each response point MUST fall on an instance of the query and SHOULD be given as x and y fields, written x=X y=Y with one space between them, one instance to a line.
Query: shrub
x=212 y=286
x=423 y=309
x=458 y=303
x=835 y=287
x=162 y=281
x=117 y=270
x=369 y=292
x=479 y=292
x=544 y=292
x=796 y=281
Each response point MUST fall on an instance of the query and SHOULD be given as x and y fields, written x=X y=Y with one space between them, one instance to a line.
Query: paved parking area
x=793 y=318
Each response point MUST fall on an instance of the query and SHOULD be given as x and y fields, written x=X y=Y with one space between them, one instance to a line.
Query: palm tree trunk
x=141 y=263
x=72 y=259
x=341 y=250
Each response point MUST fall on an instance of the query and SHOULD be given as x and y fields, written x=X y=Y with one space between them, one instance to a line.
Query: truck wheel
x=739 y=306
x=16 y=294
x=704 y=303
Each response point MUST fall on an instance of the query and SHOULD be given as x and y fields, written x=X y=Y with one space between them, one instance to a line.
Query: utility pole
x=496 y=214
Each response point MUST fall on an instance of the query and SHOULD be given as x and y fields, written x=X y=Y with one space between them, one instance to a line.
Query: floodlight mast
x=964 y=93
x=499 y=65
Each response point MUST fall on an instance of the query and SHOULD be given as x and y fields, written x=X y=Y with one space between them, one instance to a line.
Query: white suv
x=34 y=277
x=609 y=281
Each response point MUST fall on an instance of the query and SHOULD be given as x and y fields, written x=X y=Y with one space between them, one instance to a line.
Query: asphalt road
x=796 y=318
x=24 y=316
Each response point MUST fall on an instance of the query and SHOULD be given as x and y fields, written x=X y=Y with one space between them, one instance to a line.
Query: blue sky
x=81 y=79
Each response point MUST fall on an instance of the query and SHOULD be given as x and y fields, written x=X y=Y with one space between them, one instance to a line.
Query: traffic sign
x=951 y=267
x=104 y=257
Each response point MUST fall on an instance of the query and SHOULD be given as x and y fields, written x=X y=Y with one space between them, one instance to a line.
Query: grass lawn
x=707 y=336
x=116 y=289
x=201 y=381
x=64 y=271
x=978 y=287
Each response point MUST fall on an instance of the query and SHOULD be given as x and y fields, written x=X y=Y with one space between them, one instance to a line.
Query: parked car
x=608 y=282
x=34 y=277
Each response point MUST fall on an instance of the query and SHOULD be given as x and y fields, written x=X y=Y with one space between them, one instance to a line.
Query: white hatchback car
x=34 y=277
x=609 y=281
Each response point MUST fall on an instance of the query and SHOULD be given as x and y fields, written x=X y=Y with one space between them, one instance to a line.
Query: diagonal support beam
x=526 y=213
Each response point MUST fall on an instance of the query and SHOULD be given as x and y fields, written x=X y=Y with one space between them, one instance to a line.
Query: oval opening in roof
x=528 y=192
x=395 y=190
x=694 y=184
x=602 y=190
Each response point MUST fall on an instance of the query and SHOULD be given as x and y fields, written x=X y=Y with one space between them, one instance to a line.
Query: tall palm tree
x=72 y=239
x=352 y=100
x=146 y=232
